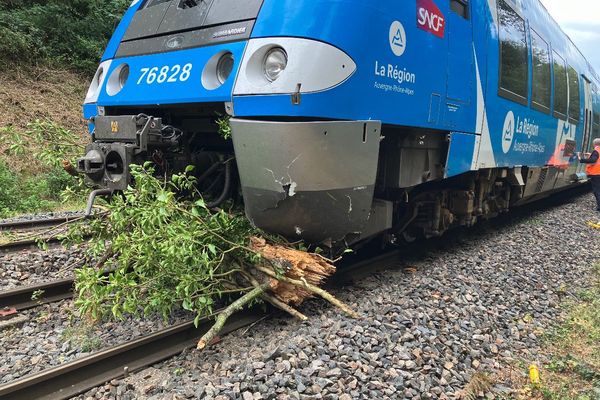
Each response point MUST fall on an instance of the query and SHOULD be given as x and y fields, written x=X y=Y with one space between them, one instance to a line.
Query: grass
x=23 y=193
x=83 y=337
x=479 y=384
x=573 y=347
x=37 y=132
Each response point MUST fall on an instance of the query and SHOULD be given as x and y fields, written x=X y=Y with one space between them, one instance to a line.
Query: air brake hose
x=226 y=187
x=208 y=172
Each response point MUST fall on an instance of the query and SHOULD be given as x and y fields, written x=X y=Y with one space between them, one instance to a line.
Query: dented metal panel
x=308 y=180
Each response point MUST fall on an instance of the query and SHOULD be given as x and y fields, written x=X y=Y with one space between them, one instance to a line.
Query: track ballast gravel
x=29 y=267
x=479 y=304
x=32 y=266
x=54 y=334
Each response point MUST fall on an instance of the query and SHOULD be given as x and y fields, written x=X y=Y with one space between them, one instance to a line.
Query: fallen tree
x=169 y=251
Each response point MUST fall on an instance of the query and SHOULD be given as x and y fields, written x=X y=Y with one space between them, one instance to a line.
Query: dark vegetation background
x=49 y=51
x=62 y=33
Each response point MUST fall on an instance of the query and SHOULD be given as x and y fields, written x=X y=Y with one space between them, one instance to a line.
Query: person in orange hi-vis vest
x=593 y=170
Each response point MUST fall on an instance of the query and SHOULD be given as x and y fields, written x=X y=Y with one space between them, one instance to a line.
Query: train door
x=588 y=120
x=461 y=70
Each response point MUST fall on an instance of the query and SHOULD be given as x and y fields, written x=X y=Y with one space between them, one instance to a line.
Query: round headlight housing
x=224 y=67
x=100 y=76
x=275 y=63
x=123 y=75
x=117 y=79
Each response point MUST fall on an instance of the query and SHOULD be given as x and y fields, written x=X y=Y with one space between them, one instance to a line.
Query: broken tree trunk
x=314 y=290
x=288 y=276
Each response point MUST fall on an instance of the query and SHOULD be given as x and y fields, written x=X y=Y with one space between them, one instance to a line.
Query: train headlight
x=217 y=70
x=117 y=80
x=224 y=67
x=123 y=76
x=274 y=63
x=97 y=82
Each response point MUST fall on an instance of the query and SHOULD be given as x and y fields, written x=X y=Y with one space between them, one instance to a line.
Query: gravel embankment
x=427 y=328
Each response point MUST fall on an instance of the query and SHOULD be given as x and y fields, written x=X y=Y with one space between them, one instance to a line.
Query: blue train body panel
x=180 y=84
x=417 y=64
x=395 y=89
x=115 y=40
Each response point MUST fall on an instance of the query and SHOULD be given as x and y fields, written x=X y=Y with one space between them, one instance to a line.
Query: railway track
x=35 y=224
x=22 y=235
x=117 y=362
x=29 y=244
x=23 y=298
x=77 y=377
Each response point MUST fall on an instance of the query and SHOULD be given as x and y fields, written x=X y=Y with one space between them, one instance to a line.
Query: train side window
x=597 y=125
x=461 y=7
x=542 y=78
x=574 y=96
x=514 y=60
x=560 y=87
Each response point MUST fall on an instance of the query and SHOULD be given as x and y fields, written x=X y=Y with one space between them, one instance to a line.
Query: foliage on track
x=168 y=250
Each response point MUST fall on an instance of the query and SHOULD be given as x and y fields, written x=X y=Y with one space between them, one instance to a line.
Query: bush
x=20 y=194
x=69 y=33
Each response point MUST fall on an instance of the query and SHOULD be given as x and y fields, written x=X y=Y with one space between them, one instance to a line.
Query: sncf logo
x=430 y=18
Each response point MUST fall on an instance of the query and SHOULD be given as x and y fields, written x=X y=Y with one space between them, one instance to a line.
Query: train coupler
x=120 y=141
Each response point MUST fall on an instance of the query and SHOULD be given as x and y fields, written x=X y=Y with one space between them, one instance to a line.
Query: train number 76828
x=169 y=74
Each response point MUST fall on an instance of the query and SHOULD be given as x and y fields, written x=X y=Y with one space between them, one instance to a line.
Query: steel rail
x=358 y=269
x=76 y=377
x=28 y=244
x=22 y=298
x=37 y=223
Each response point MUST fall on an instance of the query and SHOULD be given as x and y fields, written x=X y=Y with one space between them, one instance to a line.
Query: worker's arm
x=593 y=158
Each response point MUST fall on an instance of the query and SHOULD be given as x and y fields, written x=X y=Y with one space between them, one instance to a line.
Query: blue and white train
x=349 y=119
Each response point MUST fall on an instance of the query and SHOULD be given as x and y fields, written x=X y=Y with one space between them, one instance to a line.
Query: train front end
x=166 y=77
x=305 y=84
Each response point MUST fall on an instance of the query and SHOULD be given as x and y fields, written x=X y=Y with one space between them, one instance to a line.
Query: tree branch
x=228 y=312
x=314 y=289
x=285 y=307
x=275 y=301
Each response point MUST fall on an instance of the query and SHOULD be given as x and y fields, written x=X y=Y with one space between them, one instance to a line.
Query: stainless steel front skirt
x=308 y=180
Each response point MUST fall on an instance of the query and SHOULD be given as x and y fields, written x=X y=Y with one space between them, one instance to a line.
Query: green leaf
x=197 y=320
x=212 y=248
x=200 y=203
